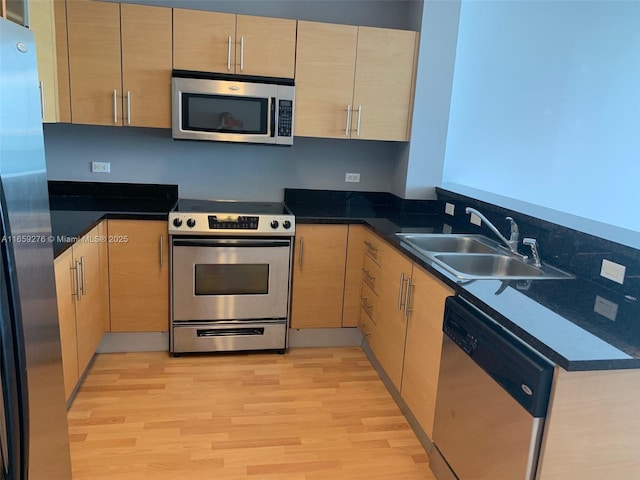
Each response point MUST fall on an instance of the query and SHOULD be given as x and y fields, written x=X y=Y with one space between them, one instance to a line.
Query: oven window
x=224 y=114
x=232 y=279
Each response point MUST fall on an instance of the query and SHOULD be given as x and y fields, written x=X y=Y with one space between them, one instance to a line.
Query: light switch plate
x=449 y=208
x=613 y=271
x=475 y=219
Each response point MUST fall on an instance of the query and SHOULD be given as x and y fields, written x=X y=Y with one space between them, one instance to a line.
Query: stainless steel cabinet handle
x=229 y=54
x=371 y=246
x=365 y=304
x=42 y=100
x=407 y=307
x=300 y=254
x=242 y=53
x=115 y=106
x=84 y=276
x=128 y=108
x=346 y=128
x=77 y=293
x=161 y=251
x=364 y=332
x=368 y=277
x=400 y=304
x=359 y=116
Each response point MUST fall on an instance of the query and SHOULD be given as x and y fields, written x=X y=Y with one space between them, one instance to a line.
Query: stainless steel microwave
x=230 y=108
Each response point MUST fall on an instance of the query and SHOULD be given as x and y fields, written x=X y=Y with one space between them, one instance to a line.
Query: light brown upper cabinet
x=119 y=64
x=354 y=82
x=227 y=43
x=42 y=22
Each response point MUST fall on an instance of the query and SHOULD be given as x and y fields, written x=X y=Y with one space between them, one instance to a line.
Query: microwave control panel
x=285 y=117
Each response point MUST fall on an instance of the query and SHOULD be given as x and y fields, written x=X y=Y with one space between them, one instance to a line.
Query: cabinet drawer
x=367 y=327
x=373 y=247
x=370 y=273
x=368 y=302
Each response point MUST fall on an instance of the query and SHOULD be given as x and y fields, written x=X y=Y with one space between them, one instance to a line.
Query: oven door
x=220 y=279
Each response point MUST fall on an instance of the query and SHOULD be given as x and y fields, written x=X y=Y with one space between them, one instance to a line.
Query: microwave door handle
x=272 y=103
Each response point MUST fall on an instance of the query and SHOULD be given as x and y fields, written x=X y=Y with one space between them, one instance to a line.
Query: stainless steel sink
x=488 y=265
x=476 y=257
x=450 y=243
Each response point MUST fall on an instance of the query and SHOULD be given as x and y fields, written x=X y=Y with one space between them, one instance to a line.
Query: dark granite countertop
x=558 y=318
x=76 y=207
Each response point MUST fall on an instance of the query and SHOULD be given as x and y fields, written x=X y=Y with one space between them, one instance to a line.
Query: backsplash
x=568 y=249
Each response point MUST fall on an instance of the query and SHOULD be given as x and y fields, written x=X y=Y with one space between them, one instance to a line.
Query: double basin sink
x=476 y=257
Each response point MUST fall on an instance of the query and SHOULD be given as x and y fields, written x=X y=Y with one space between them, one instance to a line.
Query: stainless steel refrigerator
x=34 y=439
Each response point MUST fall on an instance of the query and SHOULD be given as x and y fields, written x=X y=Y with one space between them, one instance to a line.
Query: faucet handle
x=533 y=243
x=515 y=232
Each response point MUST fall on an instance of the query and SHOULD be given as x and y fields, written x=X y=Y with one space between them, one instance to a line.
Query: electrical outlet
x=606 y=308
x=352 y=177
x=101 y=167
x=449 y=208
x=613 y=271
x=475 y=219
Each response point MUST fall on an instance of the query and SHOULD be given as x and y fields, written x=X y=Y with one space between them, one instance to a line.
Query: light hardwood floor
x=312 y=414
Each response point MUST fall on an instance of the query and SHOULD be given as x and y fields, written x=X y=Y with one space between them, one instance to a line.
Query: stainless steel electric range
x=230 y=276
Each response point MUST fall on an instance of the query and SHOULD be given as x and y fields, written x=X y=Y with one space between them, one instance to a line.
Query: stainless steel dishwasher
x=493 y=392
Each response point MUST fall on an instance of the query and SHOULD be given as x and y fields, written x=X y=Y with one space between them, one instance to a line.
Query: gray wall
x=401 y=14
x=216 y=170
x=421 y=169
x=223 y=170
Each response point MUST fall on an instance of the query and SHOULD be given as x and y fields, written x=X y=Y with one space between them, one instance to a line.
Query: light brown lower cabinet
x=402 y=307
x=423 y=346
x=318 y=276
x=83 y=310
x=138 y=275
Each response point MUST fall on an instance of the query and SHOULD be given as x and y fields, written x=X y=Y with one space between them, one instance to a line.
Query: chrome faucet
x=512 y=243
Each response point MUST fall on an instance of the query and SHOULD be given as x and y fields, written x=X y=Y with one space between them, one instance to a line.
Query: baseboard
x=324 y=337
x=134 y=342
x=423 y=438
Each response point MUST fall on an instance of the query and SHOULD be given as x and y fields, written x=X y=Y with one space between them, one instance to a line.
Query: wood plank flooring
x=312 y=414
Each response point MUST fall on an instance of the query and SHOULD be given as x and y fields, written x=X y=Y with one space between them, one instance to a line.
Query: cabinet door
x=65 y=290
x=265 y=46
x=90 y=311
x=42 y=23
x=138 y=275
x=94 y=62
x=423 y=347
x=62 y=61
x=353 y=276
x=146 y=65
x=318 y=276
x=325 y=69
x=384 y=80
x=203 y=41
x=391 y=323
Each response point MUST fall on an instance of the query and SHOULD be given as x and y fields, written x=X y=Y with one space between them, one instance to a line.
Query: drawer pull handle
x=371 y=246
x=368 y=277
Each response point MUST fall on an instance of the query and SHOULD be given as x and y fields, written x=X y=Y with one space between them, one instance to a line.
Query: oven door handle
x=205 y=242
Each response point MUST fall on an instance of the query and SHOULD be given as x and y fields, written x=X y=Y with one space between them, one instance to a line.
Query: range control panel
x=197 y=223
